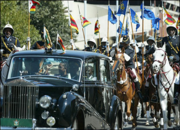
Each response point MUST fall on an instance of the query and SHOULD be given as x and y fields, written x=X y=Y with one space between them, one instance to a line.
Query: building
x=99 y=9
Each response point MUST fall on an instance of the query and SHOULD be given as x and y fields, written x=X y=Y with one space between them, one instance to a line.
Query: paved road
x=141 y=125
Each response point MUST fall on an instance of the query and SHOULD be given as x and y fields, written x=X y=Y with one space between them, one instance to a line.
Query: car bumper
x=36 y=128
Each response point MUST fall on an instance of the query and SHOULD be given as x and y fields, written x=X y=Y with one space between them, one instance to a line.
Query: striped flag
x=60 y=41
x=32 y=6
x=97 y=27
x=167 y=18
x=85 y=22
x=74 y=25
x=178 y=25
x=47 y=37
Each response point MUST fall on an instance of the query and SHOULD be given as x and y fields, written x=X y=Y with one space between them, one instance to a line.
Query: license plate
x=13 y=122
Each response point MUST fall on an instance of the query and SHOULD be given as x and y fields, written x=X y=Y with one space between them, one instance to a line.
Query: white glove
x=28 y=39
x=107 y=43
x=127 y=58
x=71 y=41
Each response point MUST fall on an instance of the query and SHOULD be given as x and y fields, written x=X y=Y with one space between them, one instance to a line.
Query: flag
x=147 y=13
x=74 y=25
x=135 y=18
x=47 y=37
x=85 y=22
x=97 y=27
x=60 y=41
x=32 y=6
x=178 y=25
x=155 y=23
x=111 y=17
x=122 y=8
x=167 y=18
x=123 y=30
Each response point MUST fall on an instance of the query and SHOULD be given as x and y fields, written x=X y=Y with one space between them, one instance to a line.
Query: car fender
x=113 y=110
x=68 y=108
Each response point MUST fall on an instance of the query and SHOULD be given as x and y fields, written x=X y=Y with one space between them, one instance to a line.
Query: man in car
x=89 y=73
x=63 y=69
x=74 y=66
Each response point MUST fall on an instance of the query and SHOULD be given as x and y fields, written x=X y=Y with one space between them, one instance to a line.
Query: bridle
x=162 y=65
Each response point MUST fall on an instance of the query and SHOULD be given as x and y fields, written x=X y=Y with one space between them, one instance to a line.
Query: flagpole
x=134 y=41
x=82 y=29
x=162 y=21
x=121 y=30
x=117 y=3
x=108 y=32
x=151 y=29
x=70 y=26
x=29 y=27
x=143 y=42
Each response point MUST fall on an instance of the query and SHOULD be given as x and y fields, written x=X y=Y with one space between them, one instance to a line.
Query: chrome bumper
x=36 y=128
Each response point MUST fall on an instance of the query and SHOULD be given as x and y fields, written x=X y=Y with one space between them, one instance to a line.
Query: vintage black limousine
x=59 y=90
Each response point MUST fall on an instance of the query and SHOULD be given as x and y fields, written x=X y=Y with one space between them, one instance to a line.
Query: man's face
x=103 y=44
x=62 y=67
x=171 y=31
x=91 y=44
x=150 y=42
x=8 y=32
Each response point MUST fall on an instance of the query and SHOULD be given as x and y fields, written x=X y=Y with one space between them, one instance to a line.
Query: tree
x=17 y=16
x=52 y=15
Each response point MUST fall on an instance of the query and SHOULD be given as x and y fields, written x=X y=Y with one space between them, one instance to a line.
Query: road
x=141 y=125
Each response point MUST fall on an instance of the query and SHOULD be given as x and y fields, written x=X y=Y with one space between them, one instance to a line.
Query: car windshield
x=48 y=66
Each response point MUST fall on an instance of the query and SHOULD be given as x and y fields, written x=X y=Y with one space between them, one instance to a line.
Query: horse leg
x=153 y=113
x=169 y=114
x=128 y=110
x=136 y=101
x=124 y=108
x=147 y=113
x=163 y=103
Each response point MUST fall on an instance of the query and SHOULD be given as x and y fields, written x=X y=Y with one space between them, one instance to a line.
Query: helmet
x=104 y=39
x=8 y=26
x=151 y=38
x=172 y=26
x=92 y=40
x=125 y=39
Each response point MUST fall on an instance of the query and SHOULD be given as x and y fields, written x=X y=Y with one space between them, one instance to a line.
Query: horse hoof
x=130 y=118
x=125 y=124
x=156 y=124
x=147 y=122
x=169 y=123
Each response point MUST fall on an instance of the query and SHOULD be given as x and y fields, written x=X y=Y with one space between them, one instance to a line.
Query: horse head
x=119 y=65
x=160 y=58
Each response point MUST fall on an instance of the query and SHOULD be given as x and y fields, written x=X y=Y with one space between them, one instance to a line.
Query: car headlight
x=45 y=101
x=51 y=121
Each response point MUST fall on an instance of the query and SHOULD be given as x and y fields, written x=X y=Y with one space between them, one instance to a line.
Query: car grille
x=19 y=101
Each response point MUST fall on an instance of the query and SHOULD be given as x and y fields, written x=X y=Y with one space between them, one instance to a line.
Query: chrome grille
x=19 y=101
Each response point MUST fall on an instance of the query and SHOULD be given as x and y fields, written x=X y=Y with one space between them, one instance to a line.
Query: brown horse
x=124 y=85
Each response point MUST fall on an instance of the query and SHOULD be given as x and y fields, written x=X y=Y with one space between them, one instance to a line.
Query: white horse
x=166 y=82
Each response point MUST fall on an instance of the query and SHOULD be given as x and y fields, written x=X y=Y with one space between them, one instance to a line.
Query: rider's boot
x=137 y=85
x=146 y=94
x=155 y=97
x=176 y=94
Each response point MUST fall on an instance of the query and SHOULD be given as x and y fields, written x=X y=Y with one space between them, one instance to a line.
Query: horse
x=124 y=86
x=167 y=76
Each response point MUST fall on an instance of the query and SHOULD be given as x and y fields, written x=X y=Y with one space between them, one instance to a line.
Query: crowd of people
x=172 y=49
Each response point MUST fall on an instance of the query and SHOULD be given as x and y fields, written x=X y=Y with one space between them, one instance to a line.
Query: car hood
x=41 y=82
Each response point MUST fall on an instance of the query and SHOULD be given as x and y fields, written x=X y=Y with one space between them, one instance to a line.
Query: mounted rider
x=8 y=41
x=103 y=46
x=172 y=50
x=129 y=52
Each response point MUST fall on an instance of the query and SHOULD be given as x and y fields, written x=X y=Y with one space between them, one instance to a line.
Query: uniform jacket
x=130 y=52
x=7 y=45
x=40 y=45
x=92 y=50
x=172 y=47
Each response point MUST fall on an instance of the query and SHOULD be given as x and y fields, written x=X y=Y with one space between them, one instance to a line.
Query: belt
x=6 y=55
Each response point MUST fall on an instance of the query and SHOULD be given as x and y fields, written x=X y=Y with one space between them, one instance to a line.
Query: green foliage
x=51 y=15
x=18 y=17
